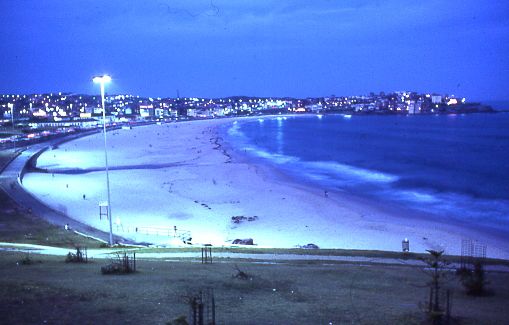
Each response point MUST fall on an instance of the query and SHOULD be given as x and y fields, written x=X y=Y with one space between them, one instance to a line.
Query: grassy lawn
x=286 y=293
x=5 y=157
x=18 y=226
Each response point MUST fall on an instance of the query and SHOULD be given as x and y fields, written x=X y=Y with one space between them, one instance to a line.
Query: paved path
x=11 y=180
x=264 y=258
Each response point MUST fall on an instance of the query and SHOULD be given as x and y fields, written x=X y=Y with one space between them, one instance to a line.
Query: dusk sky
x=257 y=48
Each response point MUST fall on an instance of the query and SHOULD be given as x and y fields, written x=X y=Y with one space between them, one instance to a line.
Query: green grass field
x=18 y=226
x=54 y=292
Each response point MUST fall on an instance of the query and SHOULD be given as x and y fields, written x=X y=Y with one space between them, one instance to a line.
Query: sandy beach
x=184 y=176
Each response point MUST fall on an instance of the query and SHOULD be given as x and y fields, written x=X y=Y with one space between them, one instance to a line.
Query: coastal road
x=11 y=179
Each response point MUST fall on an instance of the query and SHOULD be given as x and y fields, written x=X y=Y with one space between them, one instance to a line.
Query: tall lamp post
x=102 y=80
x=12 y=120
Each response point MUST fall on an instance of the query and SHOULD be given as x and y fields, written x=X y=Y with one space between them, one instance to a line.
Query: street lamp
x=11 y=106
x=102 y=80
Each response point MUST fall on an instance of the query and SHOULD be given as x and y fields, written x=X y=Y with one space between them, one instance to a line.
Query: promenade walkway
x=11 y=179
x=228 y=257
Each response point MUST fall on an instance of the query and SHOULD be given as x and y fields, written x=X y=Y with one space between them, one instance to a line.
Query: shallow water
x=450 y=166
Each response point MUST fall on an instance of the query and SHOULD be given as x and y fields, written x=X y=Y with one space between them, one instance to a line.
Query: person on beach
x=119 y=224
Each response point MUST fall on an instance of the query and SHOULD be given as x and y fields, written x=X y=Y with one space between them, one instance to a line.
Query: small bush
x=241 y=275
x=79 y=257
x=474 y=280
x=121 y=264
x=113 y=268
x=181 y=320
x=27 y=260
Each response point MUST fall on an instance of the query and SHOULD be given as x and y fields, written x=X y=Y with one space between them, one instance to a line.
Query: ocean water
x=448 y=166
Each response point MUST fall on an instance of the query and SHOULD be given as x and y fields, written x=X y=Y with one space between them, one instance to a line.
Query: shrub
x=121 y=264
x=473 y=280
x=181 y=320
x=27 y=260
x=241 y=274
x=79 y=257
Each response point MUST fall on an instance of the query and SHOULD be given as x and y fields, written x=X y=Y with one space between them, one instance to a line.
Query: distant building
x=147 y=110
x=159 y=112
x=315 y=108
x=79 y=123
x=452 y=101
x=414 y=107
x=358 y=107
x=436 y=99
x=174 y=113
x=219 y=111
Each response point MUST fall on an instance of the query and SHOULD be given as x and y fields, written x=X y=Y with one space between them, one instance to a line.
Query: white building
x=414 y=107
x=436 y=99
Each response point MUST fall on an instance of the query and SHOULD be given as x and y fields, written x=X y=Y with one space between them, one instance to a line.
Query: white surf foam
x=348 y=171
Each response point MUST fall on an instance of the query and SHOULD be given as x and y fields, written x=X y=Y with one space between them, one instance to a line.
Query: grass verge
x=52 y=291
x=18 y=226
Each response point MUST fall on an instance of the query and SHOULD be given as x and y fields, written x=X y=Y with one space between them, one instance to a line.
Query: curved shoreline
x=381 y=212
x=231 y=184
x=11 y=183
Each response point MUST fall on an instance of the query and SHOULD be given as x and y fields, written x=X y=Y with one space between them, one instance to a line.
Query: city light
x=102 y=79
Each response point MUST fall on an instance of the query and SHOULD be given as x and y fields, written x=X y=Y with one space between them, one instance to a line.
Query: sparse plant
x=181 y=320
x=122 y=263
x=79 y=257
x=27 y=260
x=436 y=270
x=473 y=281
x=202 y=308
x=241 y=275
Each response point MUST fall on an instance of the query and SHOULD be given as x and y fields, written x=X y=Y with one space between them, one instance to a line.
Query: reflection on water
x=453 y=167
